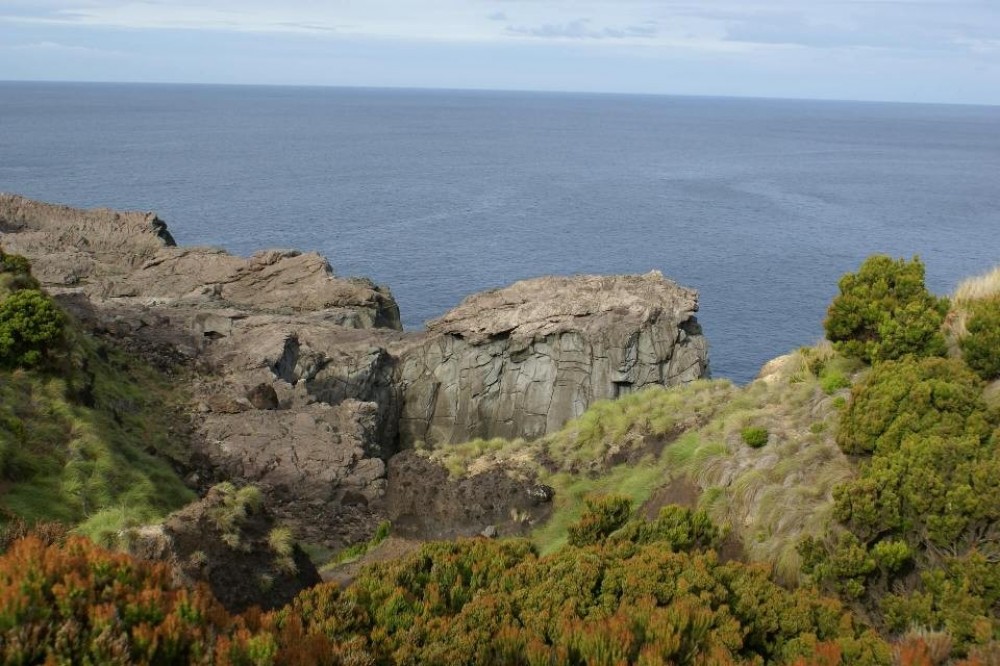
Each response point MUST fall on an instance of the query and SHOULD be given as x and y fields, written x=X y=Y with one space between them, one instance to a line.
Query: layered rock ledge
x=304 y=383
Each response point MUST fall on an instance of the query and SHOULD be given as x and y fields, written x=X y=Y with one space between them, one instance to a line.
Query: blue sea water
x=759 y=204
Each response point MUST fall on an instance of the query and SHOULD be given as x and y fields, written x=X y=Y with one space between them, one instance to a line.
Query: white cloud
x=65 y=49
x=713 y=25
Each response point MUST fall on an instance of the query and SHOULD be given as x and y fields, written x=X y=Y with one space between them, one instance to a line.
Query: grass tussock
x=968 y=292
x=979 y=287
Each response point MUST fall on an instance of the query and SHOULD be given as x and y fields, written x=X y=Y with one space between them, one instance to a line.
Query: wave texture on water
x=759 y=204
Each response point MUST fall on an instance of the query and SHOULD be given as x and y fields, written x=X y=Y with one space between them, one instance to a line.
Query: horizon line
x=417 y=88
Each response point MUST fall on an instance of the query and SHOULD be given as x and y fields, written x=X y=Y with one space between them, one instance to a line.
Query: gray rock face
x=521 y=361
x=131 y=257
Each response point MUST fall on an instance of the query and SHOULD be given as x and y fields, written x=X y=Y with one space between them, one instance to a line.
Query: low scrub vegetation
x=645 y=593
x=860 y=474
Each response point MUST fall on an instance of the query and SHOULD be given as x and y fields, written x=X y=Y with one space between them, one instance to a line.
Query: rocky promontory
x=521 y=361
x=303 y=382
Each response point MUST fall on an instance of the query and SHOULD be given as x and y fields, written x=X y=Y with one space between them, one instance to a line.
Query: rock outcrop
x=230 y=541
x=111 y=255
x=521 y=361
x=304 y=384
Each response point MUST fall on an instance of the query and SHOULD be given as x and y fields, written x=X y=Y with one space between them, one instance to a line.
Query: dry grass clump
x=979 y=287
x=970 y=290
x=771 y=497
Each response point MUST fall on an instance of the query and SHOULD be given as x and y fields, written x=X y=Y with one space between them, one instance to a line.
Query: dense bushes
x=676 y=527
x=31 y=329
x=604 y=514
x=927 y=396
x=630 y=599
x=920 y=524
x=885 y=312
x=981 y=343
x=923 y=515
x=76 y=603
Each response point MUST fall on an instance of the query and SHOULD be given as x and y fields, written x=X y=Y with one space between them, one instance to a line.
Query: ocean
x=759 y=204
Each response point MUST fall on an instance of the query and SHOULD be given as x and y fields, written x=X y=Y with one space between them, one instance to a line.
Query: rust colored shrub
x=74 y=602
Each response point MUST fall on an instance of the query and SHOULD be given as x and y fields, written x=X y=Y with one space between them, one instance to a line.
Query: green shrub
x=926 y=396
x=14 y=263
x=682 y=529
x=604 y=514
x=894 y=556
x=933 y=490
x=981 y=344
x=844 y=565
x=831 y=382
x=754 y=436
x=32 y=327
x=885 y=312
x=924 y=510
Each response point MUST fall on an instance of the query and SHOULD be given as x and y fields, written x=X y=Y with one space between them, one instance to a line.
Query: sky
x=943 y=51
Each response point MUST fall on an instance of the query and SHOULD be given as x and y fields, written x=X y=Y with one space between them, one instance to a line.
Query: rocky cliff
x=303 y=382
x=521 y=361
x=131 y=257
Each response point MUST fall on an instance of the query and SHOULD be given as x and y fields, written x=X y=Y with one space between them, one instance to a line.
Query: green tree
x=885 y=312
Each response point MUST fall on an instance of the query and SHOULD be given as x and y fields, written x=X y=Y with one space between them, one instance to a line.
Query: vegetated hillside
x=688 y=445
x=859 y=477
x=867 y=466
x=85 y=429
